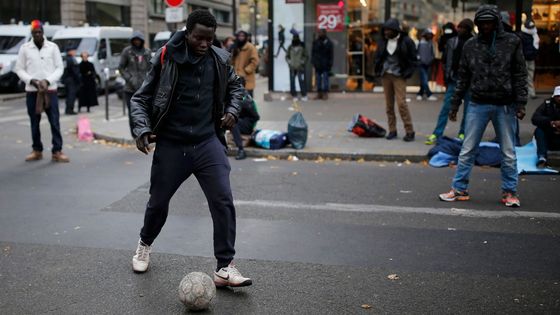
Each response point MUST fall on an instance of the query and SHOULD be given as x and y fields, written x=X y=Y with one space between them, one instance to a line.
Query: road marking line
x=380 y=208
x=13 y=118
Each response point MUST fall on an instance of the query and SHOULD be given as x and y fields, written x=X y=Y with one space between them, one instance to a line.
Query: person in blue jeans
x=426 y=58
x=493 y=68
x=453 y=50
x=322 y=60
x=547 y=134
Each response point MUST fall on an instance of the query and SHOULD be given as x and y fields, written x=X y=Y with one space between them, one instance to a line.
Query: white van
x=104 y=45
x=160 y=39
x=12 y=36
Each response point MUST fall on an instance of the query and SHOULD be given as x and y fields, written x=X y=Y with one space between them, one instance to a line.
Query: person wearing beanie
x=426 y=57
x=134 y=66
x=245 y=59
x=547 y=134
x=492 y=68
x=506 y=22
x=453 y=52
x=395 y=61
x=530 y=40
x=39 y=65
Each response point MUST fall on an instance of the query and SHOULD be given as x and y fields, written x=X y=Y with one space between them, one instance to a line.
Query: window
x=157 y=6
x=117 y=45
x=102 y=51
x=222 y=16
x=107 y=14
x=11 y=44
x=28 y=10
x=80 y=44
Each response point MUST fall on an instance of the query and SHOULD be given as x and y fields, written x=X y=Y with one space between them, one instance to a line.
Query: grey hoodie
x=134 y=64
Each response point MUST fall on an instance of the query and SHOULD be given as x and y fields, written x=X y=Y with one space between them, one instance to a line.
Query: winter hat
x=467 y=23
x=556 y=91
x=392 y=24
x=36 y=24
x=529 y=24
x=448 y=28
x=487 y=12
x=505 y=18
x=427 y=31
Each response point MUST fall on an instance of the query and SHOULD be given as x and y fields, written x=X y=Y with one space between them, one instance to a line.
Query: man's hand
x=453 y=115
x=143 y=142
x=35 y=83
x=520 y=113
x=228 y=121
x=43 y=85
x=555 y=124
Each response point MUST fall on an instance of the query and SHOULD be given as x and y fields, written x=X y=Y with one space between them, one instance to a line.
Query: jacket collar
x=177 y=42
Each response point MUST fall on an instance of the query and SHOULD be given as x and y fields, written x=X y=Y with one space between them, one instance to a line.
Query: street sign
x=174 y=15
x=174 y=3
x=329 y=17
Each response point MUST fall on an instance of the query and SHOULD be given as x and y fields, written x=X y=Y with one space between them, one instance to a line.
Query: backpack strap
x=162 y=56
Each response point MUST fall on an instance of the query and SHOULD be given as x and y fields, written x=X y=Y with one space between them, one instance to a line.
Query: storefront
x=546 y=15
x=354 y=27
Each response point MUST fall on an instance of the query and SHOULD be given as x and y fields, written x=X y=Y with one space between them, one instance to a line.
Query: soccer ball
x=196 y=290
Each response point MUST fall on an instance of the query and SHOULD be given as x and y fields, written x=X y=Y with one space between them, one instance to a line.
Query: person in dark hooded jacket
x=134 y=65
x=547 y=134
x=395 y=62
x=493 y=68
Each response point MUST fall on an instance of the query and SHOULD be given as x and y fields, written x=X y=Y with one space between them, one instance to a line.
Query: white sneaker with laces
x=432 y=98
x=230 y=276
x=418 y=97
x=141 y=260
x=304 y=99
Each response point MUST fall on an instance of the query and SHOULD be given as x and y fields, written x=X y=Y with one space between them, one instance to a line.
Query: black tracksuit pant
x=172 y=164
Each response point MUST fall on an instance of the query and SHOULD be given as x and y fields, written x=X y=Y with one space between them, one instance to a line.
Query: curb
x=11 y=97
x=284 y=154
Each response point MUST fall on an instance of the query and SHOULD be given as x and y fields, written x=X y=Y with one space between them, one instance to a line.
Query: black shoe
x=392 y=135
x=71 y=113
x=241 y=155
x=541 y=163
x=409 y=137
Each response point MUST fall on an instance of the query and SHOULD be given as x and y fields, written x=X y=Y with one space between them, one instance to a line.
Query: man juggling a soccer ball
x=189 y=98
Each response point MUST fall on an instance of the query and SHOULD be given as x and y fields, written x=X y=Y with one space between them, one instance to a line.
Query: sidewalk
x=328 y=120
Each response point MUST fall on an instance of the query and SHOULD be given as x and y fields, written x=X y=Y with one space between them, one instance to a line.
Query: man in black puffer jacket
x=493 y=67
x=189 y=97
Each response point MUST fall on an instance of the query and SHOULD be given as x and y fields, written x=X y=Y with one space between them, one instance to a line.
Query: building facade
x=147 y=16
x=354 y=26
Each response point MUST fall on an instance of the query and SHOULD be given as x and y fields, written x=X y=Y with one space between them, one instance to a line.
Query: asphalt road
x=318 y=238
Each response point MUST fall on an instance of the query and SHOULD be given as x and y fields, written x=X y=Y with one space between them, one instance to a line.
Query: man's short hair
x=200 y=16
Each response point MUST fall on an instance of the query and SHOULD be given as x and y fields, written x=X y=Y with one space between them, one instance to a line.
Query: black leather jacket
x=152 y=101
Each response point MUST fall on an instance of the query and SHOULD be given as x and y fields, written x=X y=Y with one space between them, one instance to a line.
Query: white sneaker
x=432 y=98
x=304 y=99
x=230 y=276
x=141 y=260
x=418 y=97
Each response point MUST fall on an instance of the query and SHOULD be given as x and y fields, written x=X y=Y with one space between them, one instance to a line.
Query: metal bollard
x=106 y=72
